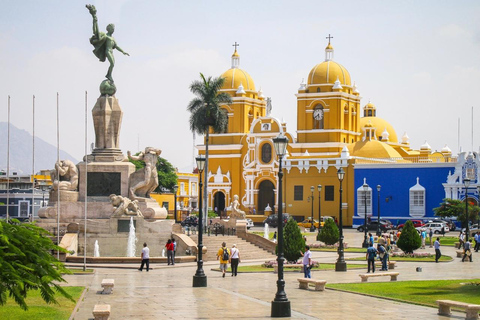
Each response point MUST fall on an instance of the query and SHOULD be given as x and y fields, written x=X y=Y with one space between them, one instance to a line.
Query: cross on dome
x=329 y=37
x=235 y=56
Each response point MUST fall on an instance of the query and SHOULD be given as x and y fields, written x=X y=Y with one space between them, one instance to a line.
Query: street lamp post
x=312 y=227
x=340 y=265
x=280 y=305
x=175 y=188
x=466 y=182
x=379 y=231
x=200 y=279
x=319 y=188
x=478 y=216
x=365 y=241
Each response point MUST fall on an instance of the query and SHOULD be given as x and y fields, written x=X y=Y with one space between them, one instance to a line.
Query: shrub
x=409 y=238
x=293 y=241
x=329 y=234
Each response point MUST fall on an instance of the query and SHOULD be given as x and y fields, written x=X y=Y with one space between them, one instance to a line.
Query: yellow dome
x=379 y=124
x=327 y=72
x=234 y=77
x=372 y=149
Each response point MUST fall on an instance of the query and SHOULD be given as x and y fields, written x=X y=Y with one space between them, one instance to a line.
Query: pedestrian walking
x=461 y=240
x=145 y=257
x=430 y=234
x=438 y=254
x=382 y=253
x=424 y=237
x=477 y=241
x=307 y=262
x=174 y=249
x=223 y=255
x=467 y=251
x=371 y=238
x=169 y=247
x=234 y=259
x=370 y=256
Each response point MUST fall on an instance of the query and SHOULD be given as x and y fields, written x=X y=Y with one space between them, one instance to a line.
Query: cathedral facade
x=333 y=131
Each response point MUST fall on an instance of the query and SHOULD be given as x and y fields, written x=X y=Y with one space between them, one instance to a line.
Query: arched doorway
x=266 y=196
x=219 y=202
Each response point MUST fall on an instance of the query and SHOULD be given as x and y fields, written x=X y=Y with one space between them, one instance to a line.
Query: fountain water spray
x=266 y=231
x=132 y=240
x=96 y=249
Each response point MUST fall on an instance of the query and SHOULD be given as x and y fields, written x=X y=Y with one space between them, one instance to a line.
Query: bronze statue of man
x=104 y=43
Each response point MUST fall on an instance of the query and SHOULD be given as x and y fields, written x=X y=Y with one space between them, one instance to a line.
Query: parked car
x=416 y=224
x=307 y=223
x=449 y=222
x=272 y=220
x=249 y=223
x=435 y=226
x=373 y=225
x=190 y=221
x=472 y=228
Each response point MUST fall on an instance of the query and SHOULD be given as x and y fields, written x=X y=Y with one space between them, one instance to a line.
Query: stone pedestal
x=65 y=195
x=104 y=179
x=107 y=119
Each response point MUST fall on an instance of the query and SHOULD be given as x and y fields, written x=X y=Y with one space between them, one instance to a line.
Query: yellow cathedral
x=330 y=134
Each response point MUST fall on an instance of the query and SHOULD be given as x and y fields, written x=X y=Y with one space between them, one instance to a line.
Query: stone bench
x=101 y=311
x=319 y=284
x=459 y=253
x=393 y=275
x=391 y=264
x=444 y=308
x=107 y=285
x=297 y=265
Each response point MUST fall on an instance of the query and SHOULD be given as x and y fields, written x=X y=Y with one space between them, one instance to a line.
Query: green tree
x=456 y=208
x=409 y=238
x=293 y=241
x=26 y=263
x=329 y=234
x=206 y=112
x=167 y=177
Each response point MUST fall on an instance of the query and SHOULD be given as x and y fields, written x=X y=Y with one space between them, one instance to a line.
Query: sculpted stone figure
x=236 y=212
x=64 y=176
x=104 y=43
x=124 y=206
x=145 y=180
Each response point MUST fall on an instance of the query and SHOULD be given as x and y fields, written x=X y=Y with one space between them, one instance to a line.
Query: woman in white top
x=234 y=259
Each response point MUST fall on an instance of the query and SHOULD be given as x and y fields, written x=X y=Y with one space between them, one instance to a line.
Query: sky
x=417 y=61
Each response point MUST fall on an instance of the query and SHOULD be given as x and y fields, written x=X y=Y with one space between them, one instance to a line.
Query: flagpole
x=86 y=195
x=58 y=177
x=33 y=160
x=8 y=159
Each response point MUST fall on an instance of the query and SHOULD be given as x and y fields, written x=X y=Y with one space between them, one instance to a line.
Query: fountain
x=163 y=253
x=132 y=240
x=96 y=250
x=266 y=231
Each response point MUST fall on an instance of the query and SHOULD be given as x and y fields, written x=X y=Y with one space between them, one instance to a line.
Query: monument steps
x=248 y=251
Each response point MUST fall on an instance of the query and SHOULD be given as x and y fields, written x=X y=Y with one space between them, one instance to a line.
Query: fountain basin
x=113 y=260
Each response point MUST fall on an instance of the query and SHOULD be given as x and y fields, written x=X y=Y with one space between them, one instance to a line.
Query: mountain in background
x=21 y=151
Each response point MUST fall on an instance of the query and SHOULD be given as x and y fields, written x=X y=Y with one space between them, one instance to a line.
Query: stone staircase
x=248 y=251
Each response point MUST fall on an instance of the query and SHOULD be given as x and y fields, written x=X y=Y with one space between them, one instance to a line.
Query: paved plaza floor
x=166 y=291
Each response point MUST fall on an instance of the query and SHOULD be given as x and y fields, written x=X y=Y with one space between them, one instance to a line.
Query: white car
x=249 y=223
x=435 y=226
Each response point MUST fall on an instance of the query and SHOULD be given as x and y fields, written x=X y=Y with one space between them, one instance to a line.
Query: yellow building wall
x=164 y=197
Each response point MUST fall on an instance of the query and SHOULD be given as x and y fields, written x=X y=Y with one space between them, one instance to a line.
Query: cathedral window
x=417 y=200
x=226 y=116
x=329 y=193
x=318 y=89
x=266 y=153
x=298 y=193
x=362 y=198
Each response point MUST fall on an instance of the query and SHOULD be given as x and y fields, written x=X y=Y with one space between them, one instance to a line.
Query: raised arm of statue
x=93 y=11
x=139 y=157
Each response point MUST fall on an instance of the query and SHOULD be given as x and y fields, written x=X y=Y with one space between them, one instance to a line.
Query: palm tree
x=206 y=112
